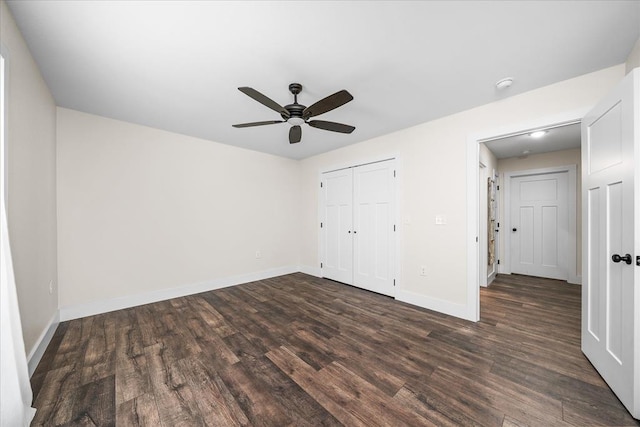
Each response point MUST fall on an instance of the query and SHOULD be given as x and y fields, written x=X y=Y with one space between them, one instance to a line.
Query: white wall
x=433 y=179
x=31 y=131
x=142 y=210
x=540 y=161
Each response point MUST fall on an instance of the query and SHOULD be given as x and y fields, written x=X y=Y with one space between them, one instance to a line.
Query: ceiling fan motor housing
x=295 y=110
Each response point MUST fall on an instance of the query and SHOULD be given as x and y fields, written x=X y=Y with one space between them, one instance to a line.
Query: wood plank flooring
x=301 y=351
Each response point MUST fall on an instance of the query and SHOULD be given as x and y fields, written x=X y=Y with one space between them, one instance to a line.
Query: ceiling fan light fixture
x=295 y=121
x=538 y=134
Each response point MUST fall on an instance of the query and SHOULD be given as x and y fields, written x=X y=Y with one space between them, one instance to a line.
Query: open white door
x=611 y=275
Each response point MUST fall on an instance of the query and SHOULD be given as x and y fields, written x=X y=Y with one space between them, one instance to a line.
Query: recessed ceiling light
x=538 y=134
x=504 y=83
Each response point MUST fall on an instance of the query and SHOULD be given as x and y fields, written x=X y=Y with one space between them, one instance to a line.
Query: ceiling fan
x=296 y=114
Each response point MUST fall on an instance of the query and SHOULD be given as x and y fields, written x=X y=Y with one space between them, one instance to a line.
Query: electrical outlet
x=50 y=287
x=258 y=254
x=441 y=220
x=423 y=270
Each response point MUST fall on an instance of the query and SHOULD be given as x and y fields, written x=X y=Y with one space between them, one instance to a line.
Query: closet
x=357 y=226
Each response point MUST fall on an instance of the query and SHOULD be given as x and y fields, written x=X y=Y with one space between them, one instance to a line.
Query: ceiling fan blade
x=327 y=104
x=262 y=99
x=246 y=125
x=295 y=134
x=332 y=126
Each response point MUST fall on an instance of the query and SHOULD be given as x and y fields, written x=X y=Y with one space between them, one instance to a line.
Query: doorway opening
x=512 y=152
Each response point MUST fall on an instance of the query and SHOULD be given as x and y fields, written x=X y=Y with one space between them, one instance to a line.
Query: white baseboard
x=575 y=280
x=98 y=307
x=42 y=342
x=435 y=304
x=311 y=271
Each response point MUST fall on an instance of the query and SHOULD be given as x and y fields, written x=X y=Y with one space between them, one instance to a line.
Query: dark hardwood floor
x=302 y=351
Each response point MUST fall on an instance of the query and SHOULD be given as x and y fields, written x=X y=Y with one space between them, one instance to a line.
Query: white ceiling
x=177 y=65
x=556 y=139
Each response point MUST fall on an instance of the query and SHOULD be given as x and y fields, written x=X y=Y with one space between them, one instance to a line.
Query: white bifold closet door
x=337 y=226
x=358 y=227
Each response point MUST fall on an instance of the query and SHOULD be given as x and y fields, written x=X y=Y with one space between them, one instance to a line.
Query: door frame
x=571 y=259
x=483 y=228
x=473 y=192
x=4 y=53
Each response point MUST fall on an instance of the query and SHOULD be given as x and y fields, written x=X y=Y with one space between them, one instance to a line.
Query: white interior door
x=539 y=225
x=611 y=286
x=337 y=241
x=374 y=227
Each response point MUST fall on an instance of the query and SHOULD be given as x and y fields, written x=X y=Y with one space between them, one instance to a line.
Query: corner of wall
x=31 y=207
x=633 y=60
x=41 y=344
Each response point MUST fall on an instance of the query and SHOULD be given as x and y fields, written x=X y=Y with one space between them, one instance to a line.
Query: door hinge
x=320 y=265
x=394 y=282
x=476 y=239
x=394 y=227
x=320 y=225
x=320 y=184
x=394 y=173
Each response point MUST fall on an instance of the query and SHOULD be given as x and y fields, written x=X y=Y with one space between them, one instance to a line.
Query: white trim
x=6 y=71
x=34 y=357
x=311 y=271
x=473 y=159
x=355 y=164
x=435 y=304
x=398 y=201
x=571 y=265
x=482 y=229
x=473 y=219
x=104 y=306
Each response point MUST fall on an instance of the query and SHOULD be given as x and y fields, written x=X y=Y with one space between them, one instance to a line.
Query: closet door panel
x=374 y=226
x=337 y=238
